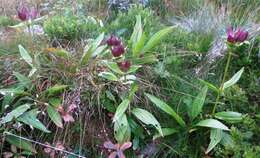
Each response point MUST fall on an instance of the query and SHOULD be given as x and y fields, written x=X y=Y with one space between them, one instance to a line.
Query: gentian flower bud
x=33 y=13
x=113 y=41
x=237 y=36
x=118 y=50
x=23 y=13
x=124 y=65
x=241 y=35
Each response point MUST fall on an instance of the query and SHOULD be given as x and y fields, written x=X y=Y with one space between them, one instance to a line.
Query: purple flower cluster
x=24 y=13
x=118 y=49
x=235 y=36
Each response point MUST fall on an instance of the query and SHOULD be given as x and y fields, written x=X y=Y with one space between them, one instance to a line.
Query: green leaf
x=30 y=119
x=108 y=75
x=229 y=116
x=227 y=140
x=12 y=91
x=121 y=109
x=156 y=38
x=114 y=67
x=133 y=68
x=56 y=89
x=166 y=132
x=166 y=108
x=15 y=113
x=233 y=80
x=147 y=118
x=55 y=116
x=25 y=55
x=91 y=49
x=146 y=59
x=212 y=123
x=210 y=86
x=122 y=130
x=23 y=80
x=138 y=38
x=215 y=137
x=55 y=102
x=198 y=103
x=22 y=144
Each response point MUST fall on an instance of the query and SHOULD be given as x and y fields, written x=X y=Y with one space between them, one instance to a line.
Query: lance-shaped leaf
x=108 y=75
x=121 y=109
x=156 y=38
x=147 y=118
x=233 y=80
x=55 y=116
x=229 y=116
x=166 y=108
x=215 y=137
x=30 y=119
x=20 y=143
x=25 y=55
x=122 y=130
x=166 y=132
x=198 y=103
x=15 y=113
x=212 y=123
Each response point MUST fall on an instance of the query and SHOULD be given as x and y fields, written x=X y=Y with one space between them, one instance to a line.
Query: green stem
x=222 y=82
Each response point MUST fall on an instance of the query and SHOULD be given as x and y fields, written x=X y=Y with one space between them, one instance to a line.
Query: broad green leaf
x=25 y=55
x=212 y=123
x=229 y=116
x=138 y=30
x=227 y=140
x=146 y=59
x=166 y=132
x=30 y=119
x=55 y=116
x=133 y=69
x=121 y=109
x=99 y=50
x=233 y=80
x=122 y=129
x=138 y=38
x=56 y=89
x=12 y=91
x=210 y=86
x=133 y=89
x=91 y=49
x=166 y=108
x=114 y=67
x=147 y=118
x=14 y=114
x=215 y=137
x=23 y=80
x=108 y=75
x=20 y=143
x=138 y=46
x=198 y=103
x=156 y=38
x=55 y=102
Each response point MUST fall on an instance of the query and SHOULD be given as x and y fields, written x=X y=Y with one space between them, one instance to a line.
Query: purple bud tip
x=124 y=65
x=23 y=13
x=113 y=41
x=118 y=50
x=238 y=36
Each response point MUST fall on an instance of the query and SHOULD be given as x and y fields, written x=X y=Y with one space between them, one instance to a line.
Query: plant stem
x=222 y=82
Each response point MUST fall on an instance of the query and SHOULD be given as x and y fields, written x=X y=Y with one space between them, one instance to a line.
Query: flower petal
x=109 y=145
x=113 y=155
x=126 y=146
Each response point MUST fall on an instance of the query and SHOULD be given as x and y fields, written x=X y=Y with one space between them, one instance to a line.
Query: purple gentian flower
x=238 y=35
x=25 y=14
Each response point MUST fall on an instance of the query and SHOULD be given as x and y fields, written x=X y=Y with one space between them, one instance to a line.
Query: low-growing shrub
x=71 y=27
x=125 y=21
x=6 y=21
